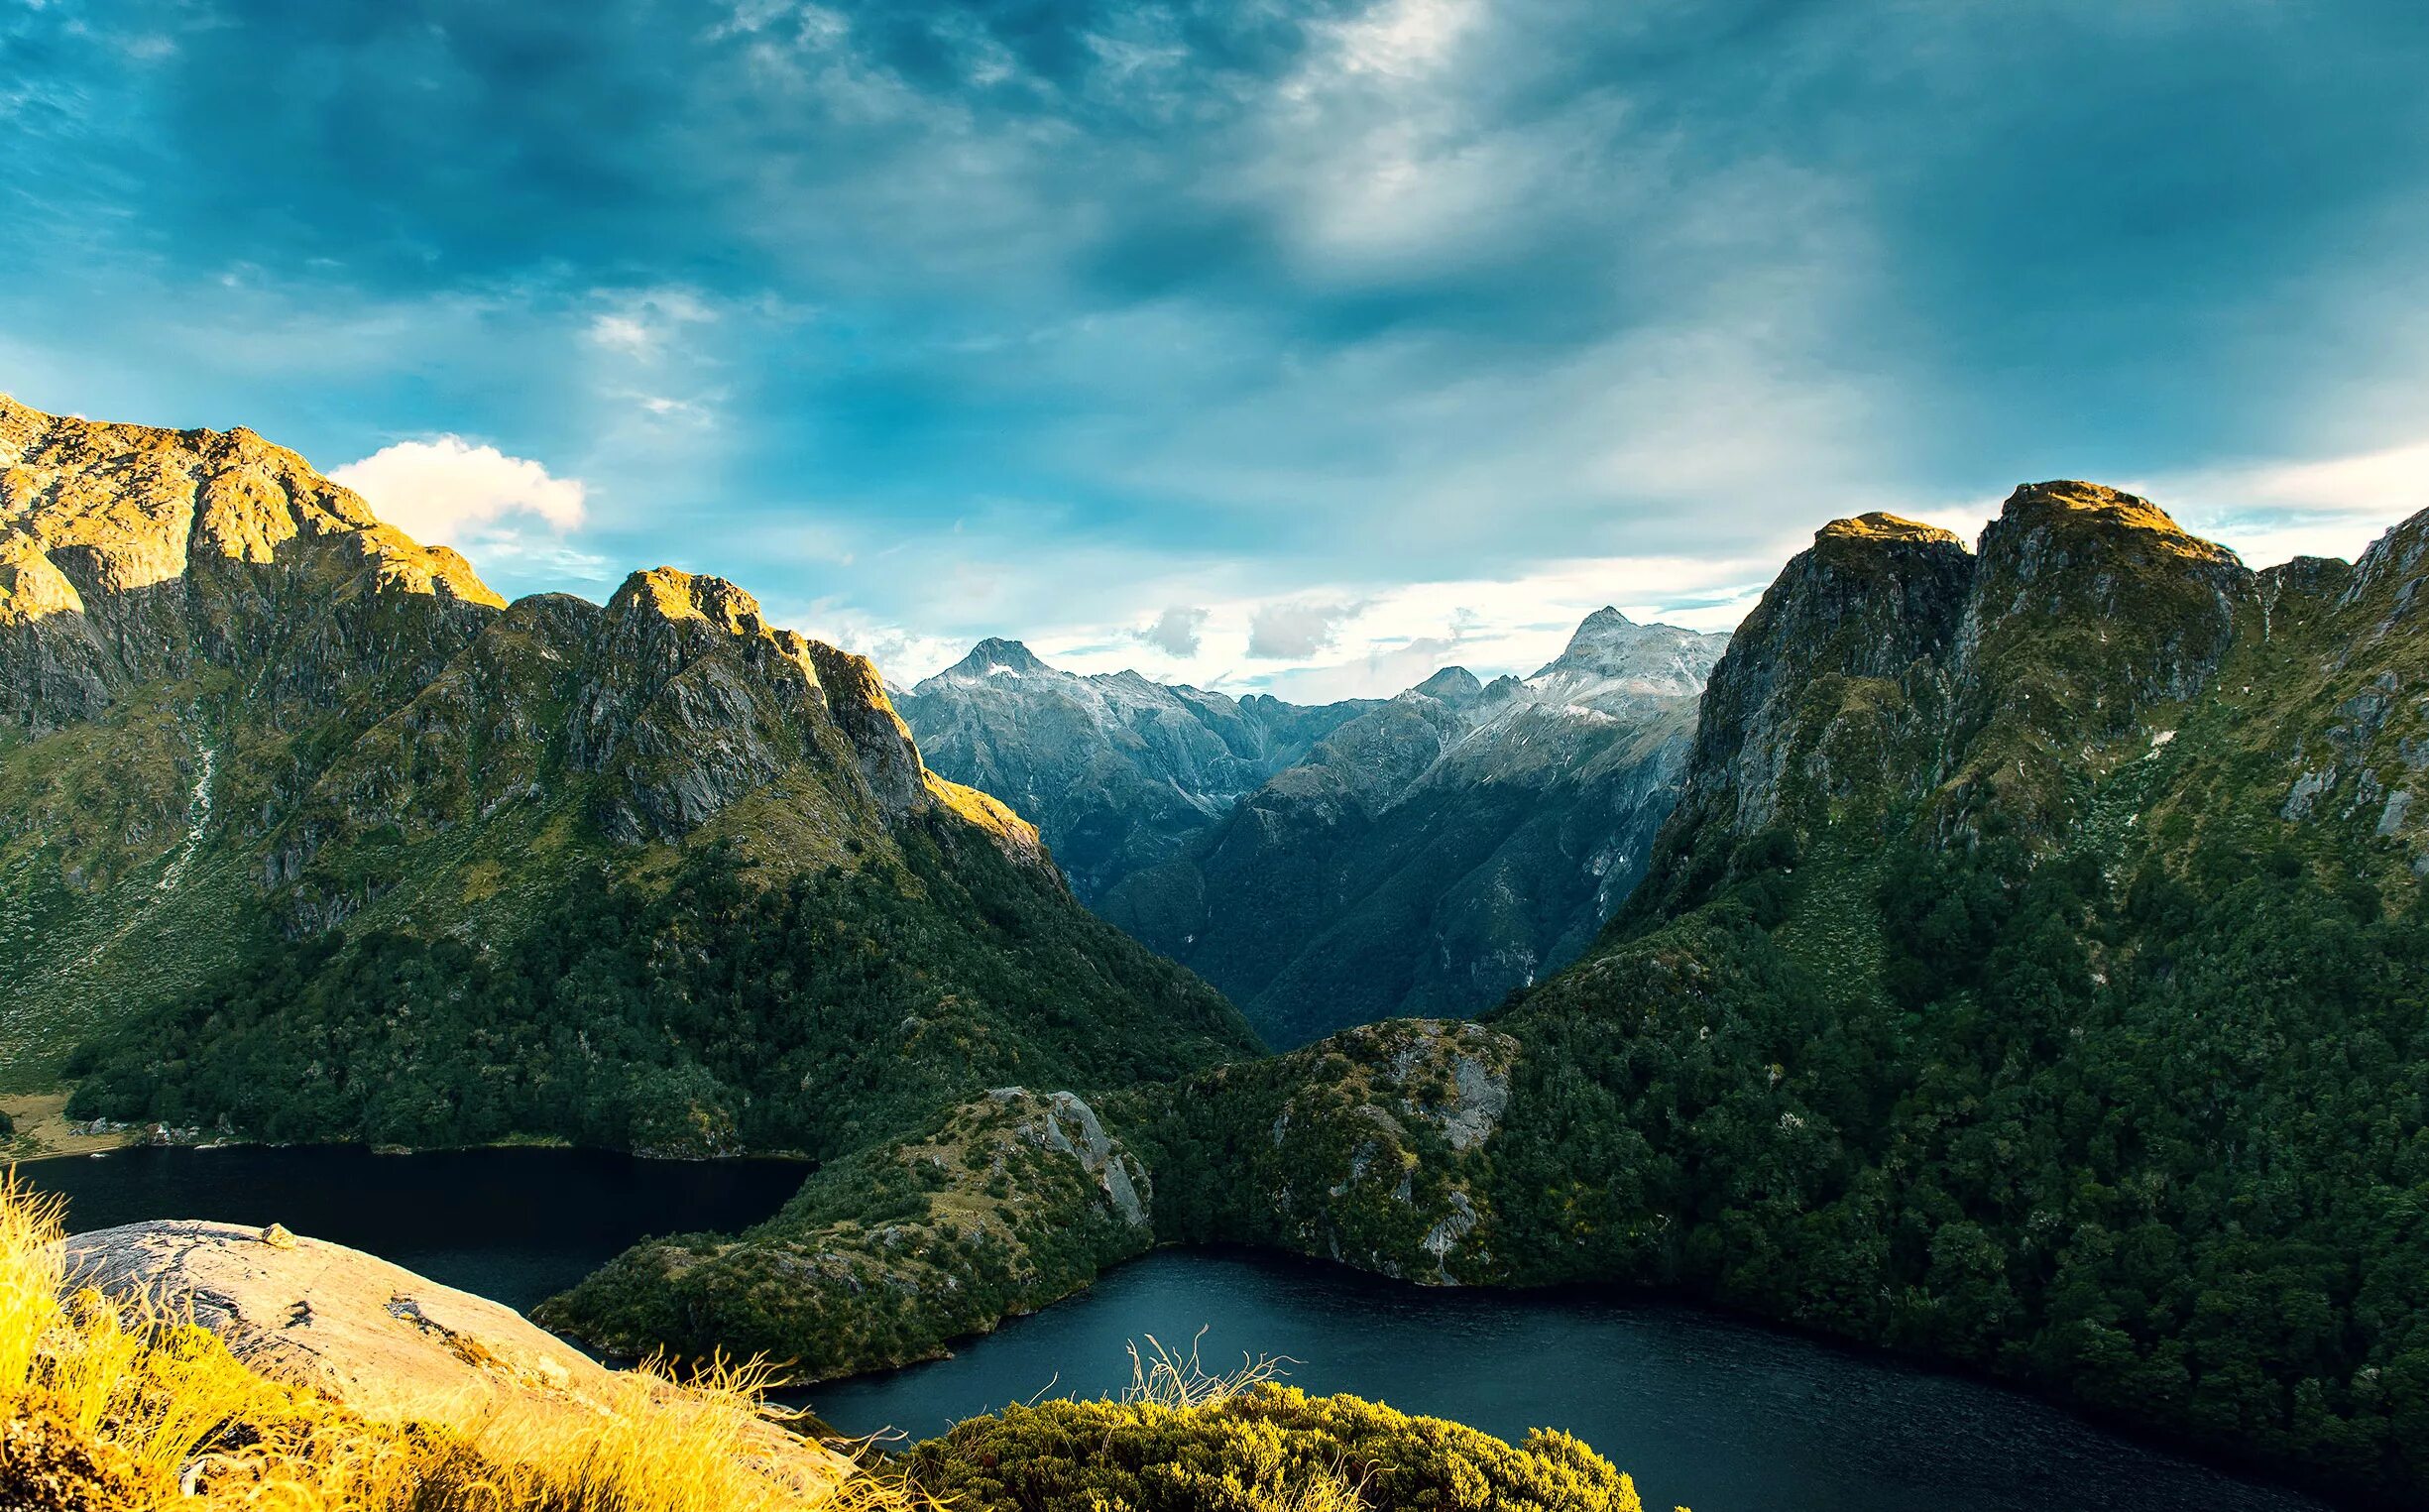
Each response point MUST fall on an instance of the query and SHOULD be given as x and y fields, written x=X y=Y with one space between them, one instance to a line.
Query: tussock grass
x=117 y=1405
x=1162 y=1376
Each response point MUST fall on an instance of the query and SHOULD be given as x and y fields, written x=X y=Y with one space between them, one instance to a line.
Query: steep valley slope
x=305 y=834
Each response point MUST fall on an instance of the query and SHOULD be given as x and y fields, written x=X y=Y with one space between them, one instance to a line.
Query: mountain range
x=2030 y=976
x=2029 y=973
x=1332 y=865
x=1118 y=772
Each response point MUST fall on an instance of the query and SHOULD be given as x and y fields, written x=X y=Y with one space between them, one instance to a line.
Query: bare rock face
x=129 y=552
x=378 y=1337
x=389 y=1343
x=1813 y=685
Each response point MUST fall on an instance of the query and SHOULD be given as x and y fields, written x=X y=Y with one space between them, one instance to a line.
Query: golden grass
x=108 y=1405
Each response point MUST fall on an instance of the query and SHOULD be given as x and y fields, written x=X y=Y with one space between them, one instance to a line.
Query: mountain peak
x=1450 y=685
x=2069 y=502
x=679 y=595
x=1609 y=644
x=1604 y=634
x=997 y=657
x=1880 y=525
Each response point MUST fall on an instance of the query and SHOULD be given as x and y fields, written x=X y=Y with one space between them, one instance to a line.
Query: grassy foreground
x=112 y=1409
x=107 y=1406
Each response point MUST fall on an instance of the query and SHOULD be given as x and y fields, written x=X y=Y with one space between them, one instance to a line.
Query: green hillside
x=305 y=835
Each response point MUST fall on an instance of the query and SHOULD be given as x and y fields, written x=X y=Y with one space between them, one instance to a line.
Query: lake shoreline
x=770 y=1179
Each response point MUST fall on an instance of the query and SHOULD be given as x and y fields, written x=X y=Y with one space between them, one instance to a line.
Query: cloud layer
x=943 y=320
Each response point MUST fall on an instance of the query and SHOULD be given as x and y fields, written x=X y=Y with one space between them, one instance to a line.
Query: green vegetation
x=719 y=1010
x=1001 y=1205
x=1269 y=1449
x=1183 y=1440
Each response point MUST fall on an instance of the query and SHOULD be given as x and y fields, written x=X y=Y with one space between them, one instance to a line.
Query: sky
x=1303 y=347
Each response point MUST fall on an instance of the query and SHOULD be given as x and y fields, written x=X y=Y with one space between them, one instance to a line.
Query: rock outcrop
x=392 y=1346
x=1372 y=1148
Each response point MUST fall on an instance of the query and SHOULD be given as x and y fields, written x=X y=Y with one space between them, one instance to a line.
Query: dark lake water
x=514 y=1225
x=1717 y=1413
x=1720 y=1415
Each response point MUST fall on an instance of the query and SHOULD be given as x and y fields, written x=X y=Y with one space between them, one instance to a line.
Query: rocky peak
x=1801 y=705
x=1452 y=685
x=996 y=658
x=2099 y=599
x=2395 y=558
x=1608 y=648
x=129 y=552
x=1880 y=525
x=674 y=594
x=2068 y=502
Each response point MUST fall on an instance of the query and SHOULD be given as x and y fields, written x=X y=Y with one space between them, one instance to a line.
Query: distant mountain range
x=1118 y=772
x=1330 y=865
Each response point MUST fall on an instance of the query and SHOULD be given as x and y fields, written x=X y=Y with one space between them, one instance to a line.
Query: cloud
x=448 y=491
x=639 y=324
x=2270 y=512
x=1289 y=631
x=1255 y=307
x=1176 y=632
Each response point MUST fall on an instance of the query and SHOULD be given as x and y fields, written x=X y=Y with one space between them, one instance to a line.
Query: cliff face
x=234 y=707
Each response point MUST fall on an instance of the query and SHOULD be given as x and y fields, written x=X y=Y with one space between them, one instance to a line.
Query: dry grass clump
x=127 y=1408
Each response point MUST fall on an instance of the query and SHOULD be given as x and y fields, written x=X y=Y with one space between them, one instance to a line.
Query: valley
x=2009 y=958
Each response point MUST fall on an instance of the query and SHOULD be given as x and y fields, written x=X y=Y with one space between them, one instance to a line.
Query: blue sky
x=1302 y=346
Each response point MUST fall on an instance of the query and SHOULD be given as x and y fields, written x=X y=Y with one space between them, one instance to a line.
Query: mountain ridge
x=342 y=775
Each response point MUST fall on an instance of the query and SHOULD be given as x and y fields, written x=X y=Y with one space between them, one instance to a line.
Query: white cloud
x=1290 y=632
x=2270 y=512
x=639 y=324
x=1176 y=632
x=450 y=491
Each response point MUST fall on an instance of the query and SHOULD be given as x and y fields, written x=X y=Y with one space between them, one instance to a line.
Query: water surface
x=1718 y=1414
x=516 y=1226
x=1704 y=1410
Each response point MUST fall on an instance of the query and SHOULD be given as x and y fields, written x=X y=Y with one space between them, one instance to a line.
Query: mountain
x=1119 y=773
x=1441 y=850
x=2032 y=975
x=305 y=833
